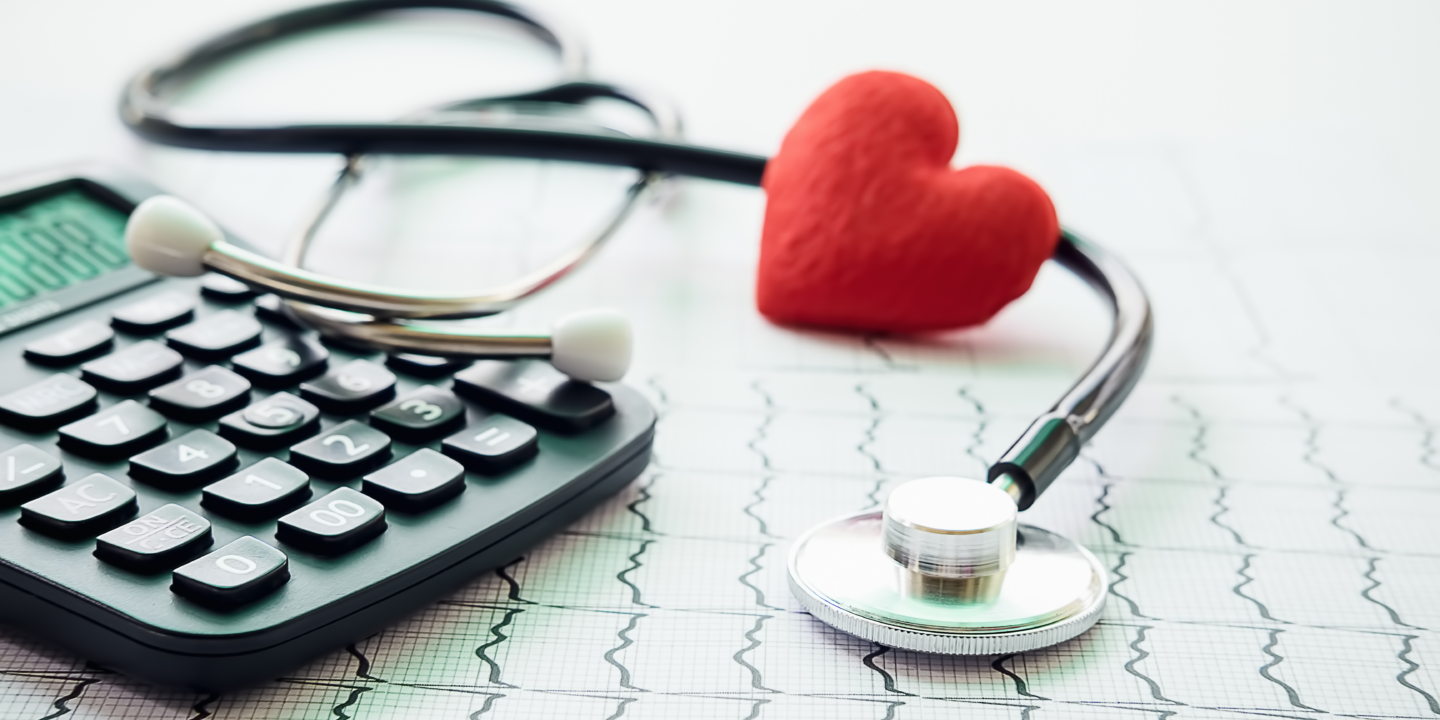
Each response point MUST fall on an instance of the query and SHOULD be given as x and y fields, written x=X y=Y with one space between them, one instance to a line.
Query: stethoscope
x=945 y=566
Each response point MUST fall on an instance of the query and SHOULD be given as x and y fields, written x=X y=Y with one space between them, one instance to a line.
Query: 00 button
x=339 y=522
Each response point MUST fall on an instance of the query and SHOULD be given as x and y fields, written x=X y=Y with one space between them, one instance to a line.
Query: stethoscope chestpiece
x=946 y=568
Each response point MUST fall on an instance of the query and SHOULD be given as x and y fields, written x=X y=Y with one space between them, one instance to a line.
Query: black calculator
x=197 y=491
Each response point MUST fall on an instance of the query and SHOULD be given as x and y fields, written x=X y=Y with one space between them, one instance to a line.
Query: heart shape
x=868 y=228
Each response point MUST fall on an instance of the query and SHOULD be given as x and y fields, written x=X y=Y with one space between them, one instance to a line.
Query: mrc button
x=52 y=402
x=156 y=540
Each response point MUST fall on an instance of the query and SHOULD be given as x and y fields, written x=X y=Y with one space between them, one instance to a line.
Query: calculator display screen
x=57 y=241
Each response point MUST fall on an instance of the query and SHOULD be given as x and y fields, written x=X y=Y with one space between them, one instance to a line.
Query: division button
x=419 y=482
x=493 y=445
x=224 y=289
x=83 y=509
x=260 y=491
x=420 y=415
x=279 y=420
x=184 y=462
x=202 y=396
x=157 y=540
x=340 y=521
x=355 y=386
x=426 y=366
x=26 y=471
x=67 y=346
x=239 y=573
x=155 y=313
x=344 y=451
x=282 y=363
x=138 y=367
x=51 y=402
x=535 y=392
x=217 y=336
x=125 y=429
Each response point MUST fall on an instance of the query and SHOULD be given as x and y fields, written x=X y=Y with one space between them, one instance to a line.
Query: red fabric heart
x=868 y=228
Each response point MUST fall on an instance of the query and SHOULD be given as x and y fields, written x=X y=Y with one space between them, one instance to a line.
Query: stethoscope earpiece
x=168 y=236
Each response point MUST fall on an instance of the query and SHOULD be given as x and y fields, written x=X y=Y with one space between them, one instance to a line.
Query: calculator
x=197 y=491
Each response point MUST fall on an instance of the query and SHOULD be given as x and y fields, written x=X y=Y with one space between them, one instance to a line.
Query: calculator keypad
x=420 y=415
x=71 y=345
x=419 y=482
x=339 y=522
x=56 y=400
x=279 y=420
x=262 y=490
x=224 y=289
x=83 y=509
x=134 y=368
x=125 y=429
x=284 y=362
x=493 y=445
x=26 y=470
x=537 y=393
x=216 y=337
x=353 y=387
x=154 y=314
x=345 y=451
x=239 y=573
x=157 y=540
x=185 y=462
x=202 y=396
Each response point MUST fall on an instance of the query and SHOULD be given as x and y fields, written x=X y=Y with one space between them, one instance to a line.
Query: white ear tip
x=591 y=345
x=168 y=236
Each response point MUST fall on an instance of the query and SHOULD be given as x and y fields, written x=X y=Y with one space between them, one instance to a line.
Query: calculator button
x=279 y=420
x=420 y=415
x=283 y=362
x=239 y=573
x=225 y=289
x=535 y=392
x=91 y=506
x=138 y=367
x=259 y=491
x=352 y=387
x=157 y=540
x=271 y=308
x=340 y=521
x=53 y=401
x=67 y=346
x=344 y=451
x=493 y=445
x=216 y=336
x=185 y=461
x=202 y=396
x=419 y=482
x=25 y=471
x=155 y=314
x=426 y=366
x=125 y=429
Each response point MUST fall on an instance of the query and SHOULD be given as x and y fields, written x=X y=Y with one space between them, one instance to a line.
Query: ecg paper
x=1266 y=503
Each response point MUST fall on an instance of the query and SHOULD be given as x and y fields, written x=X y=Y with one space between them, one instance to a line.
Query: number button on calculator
x=155 y=541
x=143 y=365
x=346 y=450
x=276 y=421
x=537 y=393
x=155 y=314
x=352 y=387
x=185 y=461
x=282 y=363
x=53 y=401
x=217 y=336
x=26 y=470
x=124 y=429
x=425 y=366
x=419 y=482
x=86 y=508
x=493 y=445
x=67 y=346
x=339 y=522
x=259 y=491
x=225 y=289
x=420 y=415
x=239 y=573
x=202 y=396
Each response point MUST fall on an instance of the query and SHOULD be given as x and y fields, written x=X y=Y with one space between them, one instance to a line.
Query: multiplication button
x=419 y=482
x=156 y=540
x=339 y=522
x=124 y=429
x=56 y=400
x=25 y=471
x=493 y=445
x=83 y=509
x=239 y=573
x=185 y=461
x=260 y=491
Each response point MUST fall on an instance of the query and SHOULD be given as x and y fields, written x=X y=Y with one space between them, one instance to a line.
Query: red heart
x=868 y=228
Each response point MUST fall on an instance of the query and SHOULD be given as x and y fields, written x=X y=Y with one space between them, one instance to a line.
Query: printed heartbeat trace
x=1265 y=502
